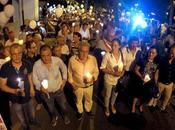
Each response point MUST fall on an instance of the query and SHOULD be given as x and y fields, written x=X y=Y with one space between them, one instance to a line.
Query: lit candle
x=19 y=82
x=73 y=24
x=21 y=86
x=45 y=85
x=7 y=59
x=20 y=42
x=103 y=53
x=88 y=75
x=97 y=31
x=147 y=78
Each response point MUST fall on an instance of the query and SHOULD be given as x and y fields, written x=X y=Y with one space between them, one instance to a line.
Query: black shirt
x=147 y=67
x=32 y=60
x=166 y=71
x=9 y=72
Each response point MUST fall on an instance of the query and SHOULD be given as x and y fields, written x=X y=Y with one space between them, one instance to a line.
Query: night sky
x=159 y=7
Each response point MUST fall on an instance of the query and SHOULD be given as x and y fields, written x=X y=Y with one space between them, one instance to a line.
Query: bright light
x=152 y=13
x=119 y=4
x=139 y=22
x=136 y=4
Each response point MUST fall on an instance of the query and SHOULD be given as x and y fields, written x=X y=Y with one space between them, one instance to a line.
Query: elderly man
x=82 y=72
x=15 y=78
x=49 y=77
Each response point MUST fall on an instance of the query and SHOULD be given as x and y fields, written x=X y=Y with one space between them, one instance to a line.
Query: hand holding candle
x=7 y=59
x=147 y=78
x=45 y=85
x=21 y=87
x=88 y=77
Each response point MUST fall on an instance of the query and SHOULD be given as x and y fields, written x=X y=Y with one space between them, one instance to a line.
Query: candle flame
x=7 y=58
x=19 y=79
x=88 y=75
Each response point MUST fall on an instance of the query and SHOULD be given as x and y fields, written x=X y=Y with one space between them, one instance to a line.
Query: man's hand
x=32 y=93
x=75 y=87
x=44 y=90
x=63 y=84
x=19 y=92
x=89 y=80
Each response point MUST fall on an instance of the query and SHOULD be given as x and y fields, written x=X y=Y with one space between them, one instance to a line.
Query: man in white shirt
x=84 y=31
x=49 y=77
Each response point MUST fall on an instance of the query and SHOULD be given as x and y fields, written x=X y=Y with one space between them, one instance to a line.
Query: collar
x=78 y=59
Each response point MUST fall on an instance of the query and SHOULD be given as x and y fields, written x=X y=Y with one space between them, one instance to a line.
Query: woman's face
x=172 y=52
x=152 y=54
x=115 y=46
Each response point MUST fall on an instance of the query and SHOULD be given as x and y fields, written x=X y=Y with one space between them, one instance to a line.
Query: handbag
x=122 y=83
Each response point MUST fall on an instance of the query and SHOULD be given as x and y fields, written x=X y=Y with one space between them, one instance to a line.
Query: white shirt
x=55 y=75
x=109 y=61
x=9 y=42
x=85 y=34
x=128 y=57
x=77 y=70
x=65 y=50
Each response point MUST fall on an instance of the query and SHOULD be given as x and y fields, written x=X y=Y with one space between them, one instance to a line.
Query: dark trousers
x=59 y=98
x=5 y=109
x=25 y=113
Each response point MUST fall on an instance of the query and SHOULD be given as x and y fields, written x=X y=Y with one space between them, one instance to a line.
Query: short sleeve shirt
x=9 y=72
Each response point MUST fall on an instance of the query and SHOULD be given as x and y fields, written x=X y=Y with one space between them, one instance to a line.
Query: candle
x=147 y=78
x=103 y=53
x=45 y=85
x=88 y=75
x=73 y=24
x=7 y=58
x=97 y=31
x=20 y=42
x=21 y=86
x=20 y=83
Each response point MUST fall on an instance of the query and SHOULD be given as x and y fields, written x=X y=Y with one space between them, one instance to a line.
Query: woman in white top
x=112 y=66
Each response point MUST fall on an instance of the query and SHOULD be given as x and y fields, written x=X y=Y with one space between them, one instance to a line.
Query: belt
x=167 y=83
x=87 y=86
x=59 y=90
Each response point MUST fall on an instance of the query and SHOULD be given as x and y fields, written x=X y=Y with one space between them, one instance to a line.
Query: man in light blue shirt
x=49 y=77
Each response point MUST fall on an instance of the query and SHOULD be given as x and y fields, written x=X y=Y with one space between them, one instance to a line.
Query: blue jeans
x=26 y=114
x=57 y=97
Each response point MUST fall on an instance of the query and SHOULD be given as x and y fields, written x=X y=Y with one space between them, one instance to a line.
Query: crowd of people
x=84 y=57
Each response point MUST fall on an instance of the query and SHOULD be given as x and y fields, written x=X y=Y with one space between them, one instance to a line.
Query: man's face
x=33 y=48
x=16 y=55
x=134 y=44
x=46 y=56
x=84 y=51
x=85 y=27
x=57 y=51
x=11 y=36
x=76 y=38
x=61 y=41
